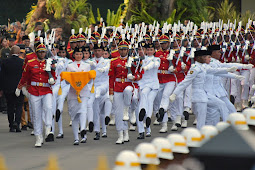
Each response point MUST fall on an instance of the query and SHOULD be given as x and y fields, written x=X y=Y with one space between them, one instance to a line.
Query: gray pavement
x=20 y=154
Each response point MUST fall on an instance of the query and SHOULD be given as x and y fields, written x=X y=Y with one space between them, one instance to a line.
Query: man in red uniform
x=37 y=78
x=73 y=44
x=122 y=88
x=114 y=50
x=167 y=80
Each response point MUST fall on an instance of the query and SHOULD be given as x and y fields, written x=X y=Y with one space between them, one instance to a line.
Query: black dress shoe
x=12 y=129
x=148 y=122
x=30 y=125
x=161 y=114
x=18 y=129
x=60 y=136
x=91 y=127
x=141 y=136
x=169 y=119
x=104 y=135
x=97 y=136
x=15 y=125
x=142 y=114
x=58 y=113
x=83 y=133
x=76 y=142
x=186 y=115
x=49 y=138
x=24 y=127
x=107 y=120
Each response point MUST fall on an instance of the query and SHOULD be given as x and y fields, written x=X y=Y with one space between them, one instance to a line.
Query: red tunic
x=29 y=56
x=115 y=53
x=118 y=75
x=164 y=76
x=70 y=51
x=34 y=72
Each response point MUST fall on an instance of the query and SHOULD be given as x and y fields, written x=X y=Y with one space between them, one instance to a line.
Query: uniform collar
x=40 y=60
x=123 y=58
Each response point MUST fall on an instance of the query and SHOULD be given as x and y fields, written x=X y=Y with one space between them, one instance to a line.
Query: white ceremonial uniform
x=197 y=76
x=78 y=110
x=101 y=90
x=215 y=106
x=218 y=87
x=58 y=100
x=149 y=86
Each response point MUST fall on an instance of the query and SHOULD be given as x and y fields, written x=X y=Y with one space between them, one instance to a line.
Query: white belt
x=122 y=80
x=40 y=84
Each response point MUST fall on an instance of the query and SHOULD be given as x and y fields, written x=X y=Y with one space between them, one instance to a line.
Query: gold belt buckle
x=40 y=84
x=163 y=71
x=122 y=80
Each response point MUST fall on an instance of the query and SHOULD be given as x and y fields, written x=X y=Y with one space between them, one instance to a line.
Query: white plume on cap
x=80 y=30
x=72 y=31
x=39 y=33
x=41 y=40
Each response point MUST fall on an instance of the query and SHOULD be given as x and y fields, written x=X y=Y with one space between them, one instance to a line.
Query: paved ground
x=20 y=154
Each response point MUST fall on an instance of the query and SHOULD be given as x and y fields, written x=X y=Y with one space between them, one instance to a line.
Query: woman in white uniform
x=78 y=111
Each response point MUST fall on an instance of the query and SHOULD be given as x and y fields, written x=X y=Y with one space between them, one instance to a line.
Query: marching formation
x=127 y=75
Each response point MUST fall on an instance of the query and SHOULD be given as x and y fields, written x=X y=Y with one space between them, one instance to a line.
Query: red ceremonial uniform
x=179 y=72
x=252 y=54
x=29 y=56
x=35 y=75
x=115 y=53
x=118 y=75
x=70 y=51
x=163 y=75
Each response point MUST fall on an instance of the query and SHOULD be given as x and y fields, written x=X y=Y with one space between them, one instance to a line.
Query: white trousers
x=168 y=89
x=240 y=89
x=42 y=112
x=121 y=100
x=176 y=108
x=216 y=108
x=78 y=114
x=147 y=97
x=102 y=107
x=58 y=103
x=200 y=110
x=187 y=97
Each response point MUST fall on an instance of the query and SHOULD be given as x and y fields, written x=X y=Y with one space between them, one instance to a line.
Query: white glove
x=183 y=65
x=172 y=98
x=130 y=76
x=98 y=93
x=145 y=68
x=247 y=57
x=253 y=99
x=25 y=92
x=247 y=66
x=253 y=86
x=91 y=62
x=17 y=92
x=51 y=81
x=111 y=98
x=171 y=69
x=101 y=70
x=231 y=69
x=239 y=77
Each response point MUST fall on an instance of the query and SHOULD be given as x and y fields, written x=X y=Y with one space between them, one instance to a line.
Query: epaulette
x=29 y=61
x=114 y=58
x=29 y=53
x=113 y=51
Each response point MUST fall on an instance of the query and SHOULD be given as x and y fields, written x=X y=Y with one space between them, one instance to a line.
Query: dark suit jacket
x=11 y=72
